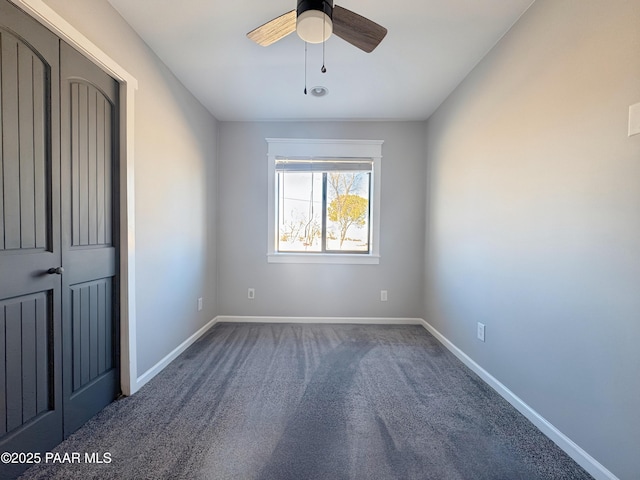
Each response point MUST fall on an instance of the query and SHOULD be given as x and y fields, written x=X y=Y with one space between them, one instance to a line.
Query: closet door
x=59 y=323
x=30 y=250
x=89 y=100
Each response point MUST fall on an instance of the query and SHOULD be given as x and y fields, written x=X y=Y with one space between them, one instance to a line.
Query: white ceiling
x=430 y=47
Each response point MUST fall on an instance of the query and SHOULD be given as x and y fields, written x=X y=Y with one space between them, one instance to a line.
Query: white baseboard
x=582 y=458
x=330 y=320
x=158 y=367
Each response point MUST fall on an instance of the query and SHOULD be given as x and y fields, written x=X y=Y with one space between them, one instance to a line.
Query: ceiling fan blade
x=274 y=30
x=357 y=30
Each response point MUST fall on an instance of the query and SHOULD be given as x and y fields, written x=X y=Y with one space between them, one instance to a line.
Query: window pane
x=348 y=211
x=299 y=211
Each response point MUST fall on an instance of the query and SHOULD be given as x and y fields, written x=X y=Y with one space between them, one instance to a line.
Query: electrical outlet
x=383 y=295
x=481 y=331
x=251 y=293
x=200 y=304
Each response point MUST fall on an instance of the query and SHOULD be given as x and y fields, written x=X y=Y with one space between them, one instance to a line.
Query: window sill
x=324 y=258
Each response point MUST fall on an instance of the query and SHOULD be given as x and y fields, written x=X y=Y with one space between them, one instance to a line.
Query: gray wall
x=175 y=179
x=320 y=290
x=534 y=227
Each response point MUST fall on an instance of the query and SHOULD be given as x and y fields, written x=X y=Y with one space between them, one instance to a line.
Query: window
x=323 y=206
x=324 y=201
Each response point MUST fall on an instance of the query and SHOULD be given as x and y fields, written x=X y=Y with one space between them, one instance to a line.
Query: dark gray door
x=30 y=298
x=59 y=328
x=89 y=99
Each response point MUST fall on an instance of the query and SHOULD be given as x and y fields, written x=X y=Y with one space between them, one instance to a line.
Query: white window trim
x=310 y=148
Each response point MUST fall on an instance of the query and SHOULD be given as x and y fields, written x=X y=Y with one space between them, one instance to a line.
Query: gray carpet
x=257 y=401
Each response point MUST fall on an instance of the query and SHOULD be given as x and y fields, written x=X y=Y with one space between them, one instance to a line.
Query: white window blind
x=324 y=165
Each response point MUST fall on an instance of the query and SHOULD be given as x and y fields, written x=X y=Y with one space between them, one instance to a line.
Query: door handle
x=56 y=270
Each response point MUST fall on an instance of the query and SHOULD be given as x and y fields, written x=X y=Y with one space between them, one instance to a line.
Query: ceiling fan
x=316 y=20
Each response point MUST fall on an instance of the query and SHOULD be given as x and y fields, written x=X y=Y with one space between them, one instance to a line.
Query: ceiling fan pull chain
x=324 y=42
x=305 y=68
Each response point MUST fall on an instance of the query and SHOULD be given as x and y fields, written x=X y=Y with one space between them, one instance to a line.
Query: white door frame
x=128 y=85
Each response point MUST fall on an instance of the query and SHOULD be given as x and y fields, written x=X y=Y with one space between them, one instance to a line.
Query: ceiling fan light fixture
x=314 y=26
x=316 y=20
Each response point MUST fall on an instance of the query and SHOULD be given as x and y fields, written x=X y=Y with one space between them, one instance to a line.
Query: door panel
x=89 y=99
x=25 y=329
x=30 y=298
x=91 y=142
x=23 y=89
x=93 y=339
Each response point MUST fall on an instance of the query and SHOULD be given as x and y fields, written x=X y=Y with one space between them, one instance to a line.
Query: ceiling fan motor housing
x=311 y=14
